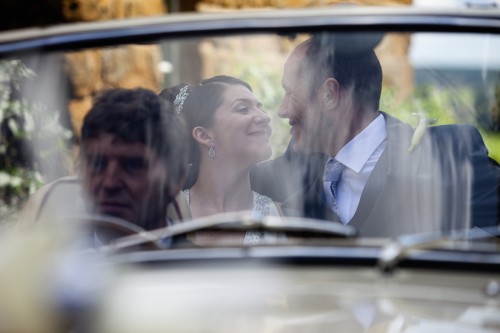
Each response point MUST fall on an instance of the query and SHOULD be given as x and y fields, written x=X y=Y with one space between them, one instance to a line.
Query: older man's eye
x=96 y=164
x=134 y=165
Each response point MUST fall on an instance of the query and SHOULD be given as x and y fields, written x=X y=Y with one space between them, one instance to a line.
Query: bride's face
x=241 y=127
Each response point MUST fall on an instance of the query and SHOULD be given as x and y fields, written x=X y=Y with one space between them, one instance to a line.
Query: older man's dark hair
x=351 y=60
x=140 y=115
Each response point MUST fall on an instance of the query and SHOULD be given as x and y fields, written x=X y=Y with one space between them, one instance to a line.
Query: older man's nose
x=283 y=109
x=111 y=176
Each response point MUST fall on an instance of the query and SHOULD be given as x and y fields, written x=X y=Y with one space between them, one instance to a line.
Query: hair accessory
x=211 y=153
x=180 y=98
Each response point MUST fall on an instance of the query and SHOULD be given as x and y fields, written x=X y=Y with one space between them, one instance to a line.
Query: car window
x=438 y=109
x=283 y=170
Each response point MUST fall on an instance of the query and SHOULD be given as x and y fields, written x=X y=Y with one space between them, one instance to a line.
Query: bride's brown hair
x=197 y=105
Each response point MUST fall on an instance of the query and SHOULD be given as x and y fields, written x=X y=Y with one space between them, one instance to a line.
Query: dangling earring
x=211 y=152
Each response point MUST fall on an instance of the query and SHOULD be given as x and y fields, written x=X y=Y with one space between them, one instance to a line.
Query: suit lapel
x=373 y=189
x=394 y=159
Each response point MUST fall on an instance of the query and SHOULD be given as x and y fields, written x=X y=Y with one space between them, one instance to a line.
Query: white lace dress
x=262 y=205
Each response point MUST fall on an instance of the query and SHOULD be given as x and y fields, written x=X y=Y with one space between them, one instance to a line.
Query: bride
x=229 y=134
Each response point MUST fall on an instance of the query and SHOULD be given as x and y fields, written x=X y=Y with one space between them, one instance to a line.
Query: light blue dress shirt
x=359 y=156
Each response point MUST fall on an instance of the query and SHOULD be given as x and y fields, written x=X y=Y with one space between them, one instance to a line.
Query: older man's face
x=125 y=180
x=302 y=110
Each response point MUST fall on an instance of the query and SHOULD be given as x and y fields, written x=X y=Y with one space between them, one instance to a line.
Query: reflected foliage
x=446 y=106
x=27 y=136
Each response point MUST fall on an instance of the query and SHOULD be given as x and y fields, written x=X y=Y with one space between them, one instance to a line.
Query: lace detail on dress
x=262 y=205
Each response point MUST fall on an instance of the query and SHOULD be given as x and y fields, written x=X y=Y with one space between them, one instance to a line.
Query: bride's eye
x=242 y=109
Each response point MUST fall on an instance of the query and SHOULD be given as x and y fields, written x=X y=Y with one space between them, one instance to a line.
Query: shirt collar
x=356 y=152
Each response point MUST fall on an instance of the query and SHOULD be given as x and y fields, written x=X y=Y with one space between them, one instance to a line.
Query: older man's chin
x=118 y=211
x=305 y=146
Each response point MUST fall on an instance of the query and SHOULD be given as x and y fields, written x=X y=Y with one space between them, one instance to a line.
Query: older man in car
x=351 y=163
x=133 y=163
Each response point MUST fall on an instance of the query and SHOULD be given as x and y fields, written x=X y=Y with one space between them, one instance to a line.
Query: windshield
x=384 y=133
x=287 y=171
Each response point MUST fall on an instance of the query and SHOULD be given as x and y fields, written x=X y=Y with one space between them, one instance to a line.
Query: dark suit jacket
x=447 y=182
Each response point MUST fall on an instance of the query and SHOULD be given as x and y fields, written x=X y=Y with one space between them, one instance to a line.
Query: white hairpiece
x=180 y=98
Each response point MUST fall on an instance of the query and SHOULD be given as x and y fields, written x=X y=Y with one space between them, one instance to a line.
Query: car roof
x=72 y=35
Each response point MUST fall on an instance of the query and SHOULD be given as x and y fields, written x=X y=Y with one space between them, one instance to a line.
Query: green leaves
x=29 y=134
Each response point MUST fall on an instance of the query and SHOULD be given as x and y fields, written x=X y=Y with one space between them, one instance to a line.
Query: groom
x=351 y=163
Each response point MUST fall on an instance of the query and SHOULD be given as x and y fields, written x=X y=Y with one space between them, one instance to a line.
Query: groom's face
x=301 y=107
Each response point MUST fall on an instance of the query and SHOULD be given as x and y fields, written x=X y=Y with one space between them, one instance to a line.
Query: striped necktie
x=331 y=176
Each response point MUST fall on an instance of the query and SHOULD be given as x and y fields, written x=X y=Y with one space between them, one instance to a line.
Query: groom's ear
x=331 y=92
x=202 y=135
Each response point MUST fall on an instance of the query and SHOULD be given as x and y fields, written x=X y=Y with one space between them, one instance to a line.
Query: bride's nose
x=262 y=118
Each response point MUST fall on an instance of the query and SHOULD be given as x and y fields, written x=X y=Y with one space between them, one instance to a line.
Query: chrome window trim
x=74 y=35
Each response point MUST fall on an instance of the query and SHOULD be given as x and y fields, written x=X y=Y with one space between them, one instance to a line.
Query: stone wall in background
x=393 y=51
x=92 y=70
x=99 y=10
x=296 y=3
x=126 y=67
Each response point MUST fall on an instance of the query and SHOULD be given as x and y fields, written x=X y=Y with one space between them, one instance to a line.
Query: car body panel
x=417 y=283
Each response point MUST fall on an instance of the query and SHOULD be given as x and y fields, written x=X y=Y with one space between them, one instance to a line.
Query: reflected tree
x=29 y=134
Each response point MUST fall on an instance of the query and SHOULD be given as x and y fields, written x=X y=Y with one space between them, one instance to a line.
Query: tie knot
x=333 y=169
